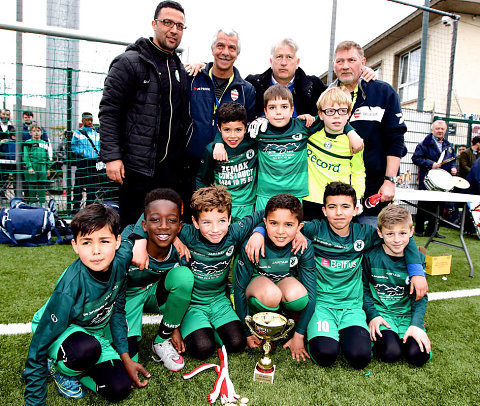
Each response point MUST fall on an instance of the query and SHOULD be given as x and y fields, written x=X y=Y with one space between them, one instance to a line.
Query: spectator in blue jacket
x=474 y=178
x=28 y=118
x=85 y=149
x=425 y=157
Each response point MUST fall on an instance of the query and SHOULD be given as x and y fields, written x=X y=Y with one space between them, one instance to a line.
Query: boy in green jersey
x=339 y=320
x=394 y=318
x=212 y=242
x=281 y=277
x=165 y=285
x=329 y=155
x=282 y=147
x=35 y=158
x=69 y=328
x=239 y=173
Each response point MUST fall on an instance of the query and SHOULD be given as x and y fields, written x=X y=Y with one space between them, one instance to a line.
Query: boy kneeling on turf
x=69 y=328
x=281 y=277
x=394 y=318
x=165 y=285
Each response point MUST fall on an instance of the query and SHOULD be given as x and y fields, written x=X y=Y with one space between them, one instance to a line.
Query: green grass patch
x=28 y=275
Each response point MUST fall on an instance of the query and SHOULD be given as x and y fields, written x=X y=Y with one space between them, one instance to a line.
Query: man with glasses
x=377 y=117
x=144 y=113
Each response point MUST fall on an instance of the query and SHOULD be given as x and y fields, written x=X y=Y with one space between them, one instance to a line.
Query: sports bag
x=28 y=226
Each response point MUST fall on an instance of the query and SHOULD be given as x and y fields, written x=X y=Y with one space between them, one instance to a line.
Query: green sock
x=257 y=306
x=297 y=304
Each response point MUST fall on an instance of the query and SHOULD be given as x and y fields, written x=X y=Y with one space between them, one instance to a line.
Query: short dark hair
x=27 y=113
x=476 y=139
x=86 y=114
x=231 y=111
x=285 y=201
x=277 y=92
x=163 y=194
x=339 y=189
x=94 y=217
x=209 y=198
x=168 y=4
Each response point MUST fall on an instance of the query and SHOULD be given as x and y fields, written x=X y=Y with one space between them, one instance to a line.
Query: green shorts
x=108 y=352
x=214 y=315
x=327 y=322
x=239 y=212
x=140 y=300
x=398 y=324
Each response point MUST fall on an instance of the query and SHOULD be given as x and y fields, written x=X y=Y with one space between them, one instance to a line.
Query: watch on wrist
x=390 y=178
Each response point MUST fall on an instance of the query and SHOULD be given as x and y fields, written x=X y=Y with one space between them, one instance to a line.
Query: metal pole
x=19 y=104
x=452 y=64
x=332 y=42
x=68 y=149
x=423 y=59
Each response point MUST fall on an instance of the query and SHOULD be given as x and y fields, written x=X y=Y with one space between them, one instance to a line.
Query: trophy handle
x=248 y=320
x=290 y=324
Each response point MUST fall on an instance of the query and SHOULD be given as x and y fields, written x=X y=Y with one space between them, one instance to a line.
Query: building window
x=408 y=75
x=378 y=71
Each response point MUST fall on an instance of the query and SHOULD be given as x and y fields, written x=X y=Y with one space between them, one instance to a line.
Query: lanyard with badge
x=217 y=101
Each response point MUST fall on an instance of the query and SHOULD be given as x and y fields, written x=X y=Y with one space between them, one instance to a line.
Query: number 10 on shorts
x=323 y=326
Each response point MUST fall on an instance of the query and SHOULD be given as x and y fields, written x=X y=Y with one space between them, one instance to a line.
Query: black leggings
x=200 y=344
x=390 y=348
x=81 y=352
x=355 y=344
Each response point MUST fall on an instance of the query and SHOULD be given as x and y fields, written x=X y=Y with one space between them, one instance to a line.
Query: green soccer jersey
x=80 y=299
x=282 y=158
x=210 y=263
x=386 y=285
x=338 y=260
x=35 y=155
x=138 y=279
x=238 y=174
x=278 y=263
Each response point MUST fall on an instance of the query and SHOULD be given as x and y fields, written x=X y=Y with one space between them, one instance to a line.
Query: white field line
x=24 y=328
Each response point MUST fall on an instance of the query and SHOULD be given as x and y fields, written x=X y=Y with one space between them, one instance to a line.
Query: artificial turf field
x=28 y=276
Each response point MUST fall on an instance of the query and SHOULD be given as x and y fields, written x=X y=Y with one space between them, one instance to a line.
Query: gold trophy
x=270 y=327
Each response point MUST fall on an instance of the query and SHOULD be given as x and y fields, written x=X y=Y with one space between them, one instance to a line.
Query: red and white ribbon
x=223 y=386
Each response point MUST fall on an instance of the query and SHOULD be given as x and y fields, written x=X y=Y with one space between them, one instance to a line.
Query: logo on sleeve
x=325 y=262
x=53 y=318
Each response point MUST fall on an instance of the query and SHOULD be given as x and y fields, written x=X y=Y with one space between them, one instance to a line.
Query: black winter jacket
x=307 y=89
x=131 y=110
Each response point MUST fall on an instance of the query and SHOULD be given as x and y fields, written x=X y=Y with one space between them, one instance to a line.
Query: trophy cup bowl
x=270 y=327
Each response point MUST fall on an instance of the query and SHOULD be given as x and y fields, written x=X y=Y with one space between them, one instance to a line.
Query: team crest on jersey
x=358 y=245
x=328 y=145
x=250 y=154
x=230 y=250
x=53 y=318
x=177 y=76
x=297 y=136
x=234 y=94
x=293 y=261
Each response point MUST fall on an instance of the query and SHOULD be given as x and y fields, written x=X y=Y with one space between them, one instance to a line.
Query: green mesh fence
x=55 y=79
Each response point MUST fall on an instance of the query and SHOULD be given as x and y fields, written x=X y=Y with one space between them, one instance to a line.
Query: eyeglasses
x=343 y=111
x=169 y=24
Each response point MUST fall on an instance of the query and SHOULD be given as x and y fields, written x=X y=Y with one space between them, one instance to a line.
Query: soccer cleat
x=68 y=386
x=167 y=354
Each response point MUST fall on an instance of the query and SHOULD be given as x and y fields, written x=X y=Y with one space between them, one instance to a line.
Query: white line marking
x=25 y=328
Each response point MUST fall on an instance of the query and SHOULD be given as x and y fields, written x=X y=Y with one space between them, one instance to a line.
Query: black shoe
x=417 y=234
x=438 y=235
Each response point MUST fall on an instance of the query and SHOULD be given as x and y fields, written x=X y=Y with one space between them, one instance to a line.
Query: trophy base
x=263 y=376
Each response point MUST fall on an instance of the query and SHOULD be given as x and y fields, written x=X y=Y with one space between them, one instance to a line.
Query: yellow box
x=438 y=265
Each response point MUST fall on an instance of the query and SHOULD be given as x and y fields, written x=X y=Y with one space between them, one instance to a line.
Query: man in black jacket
x=306 y=89
x=144 y=113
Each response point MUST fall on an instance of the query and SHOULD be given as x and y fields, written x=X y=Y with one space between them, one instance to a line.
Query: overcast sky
x=259 y=23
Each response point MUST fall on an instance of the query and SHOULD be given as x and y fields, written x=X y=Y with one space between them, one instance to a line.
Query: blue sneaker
x=68 y=386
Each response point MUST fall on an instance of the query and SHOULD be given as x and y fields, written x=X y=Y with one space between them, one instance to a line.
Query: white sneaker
x=168 y=355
